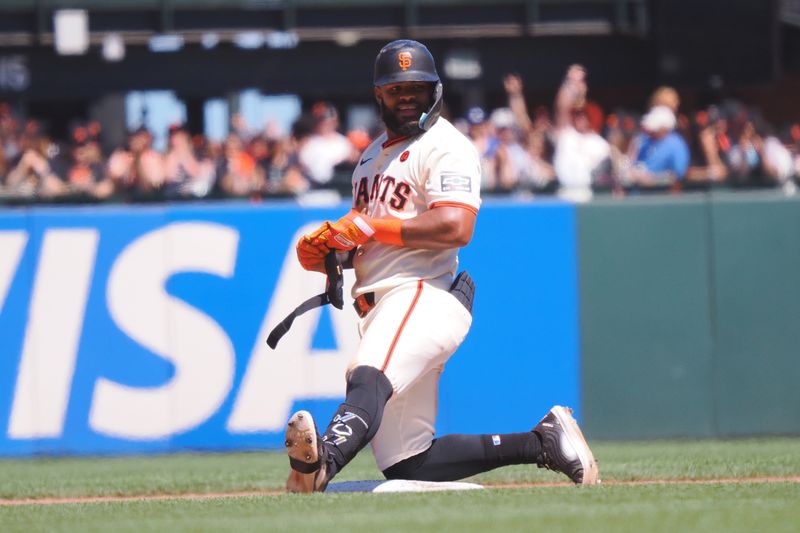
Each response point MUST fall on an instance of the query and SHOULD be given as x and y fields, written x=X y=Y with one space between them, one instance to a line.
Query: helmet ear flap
x=430 y=117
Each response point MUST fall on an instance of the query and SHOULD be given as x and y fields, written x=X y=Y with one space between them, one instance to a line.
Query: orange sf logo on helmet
x=404 y=59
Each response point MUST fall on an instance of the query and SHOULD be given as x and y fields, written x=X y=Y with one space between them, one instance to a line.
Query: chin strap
x=334 y=295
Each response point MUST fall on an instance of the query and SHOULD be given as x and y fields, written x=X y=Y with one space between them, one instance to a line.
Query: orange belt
x=364 y=303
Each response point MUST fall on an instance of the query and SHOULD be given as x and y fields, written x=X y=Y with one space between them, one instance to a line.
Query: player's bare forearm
x=440 y=228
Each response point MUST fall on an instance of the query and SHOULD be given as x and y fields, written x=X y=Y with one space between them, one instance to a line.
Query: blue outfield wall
x=142 y=329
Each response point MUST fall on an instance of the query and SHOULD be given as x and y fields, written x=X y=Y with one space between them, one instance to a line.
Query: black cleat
x=307 y=456
x=564 y=449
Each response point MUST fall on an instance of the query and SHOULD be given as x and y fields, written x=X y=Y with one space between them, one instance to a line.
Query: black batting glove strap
x=334 y=295
x=334 y=289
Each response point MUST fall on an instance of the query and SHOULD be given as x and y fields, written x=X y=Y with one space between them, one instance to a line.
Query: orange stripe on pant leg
x=402 y=325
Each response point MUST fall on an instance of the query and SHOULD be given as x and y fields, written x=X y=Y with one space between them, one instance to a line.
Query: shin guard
x=357 y=420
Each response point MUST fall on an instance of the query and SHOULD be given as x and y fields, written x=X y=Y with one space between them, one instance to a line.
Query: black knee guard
x=368 y=389
x=357 y=420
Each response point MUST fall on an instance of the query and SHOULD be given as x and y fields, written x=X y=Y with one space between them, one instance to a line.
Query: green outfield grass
x=745 y=506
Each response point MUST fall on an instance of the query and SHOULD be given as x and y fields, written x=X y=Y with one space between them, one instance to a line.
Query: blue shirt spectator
x=666 y=154
x=662 y=157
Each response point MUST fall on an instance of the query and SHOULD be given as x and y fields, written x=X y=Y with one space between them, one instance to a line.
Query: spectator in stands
x=261 y=149
x=511 y=157
x=184 y=173
x=793 y=144
x=239 y=127
x=744 y=156
x=136 y=169
x=756 y=158
x=538 y=175
x=709 y=151
x=86 y=173
x=40 y=168
x=582 y=157
x=241 y=176
x=662 y=156
x=618 y=143
x=777 y=165
x=286 y=173
x=482 y=134
x=666 y=96
x=9 y=130
x=325 y=148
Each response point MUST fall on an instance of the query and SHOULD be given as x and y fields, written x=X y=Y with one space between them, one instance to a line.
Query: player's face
x=402 y=104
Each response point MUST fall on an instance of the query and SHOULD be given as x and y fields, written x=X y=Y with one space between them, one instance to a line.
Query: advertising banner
x=138 y=329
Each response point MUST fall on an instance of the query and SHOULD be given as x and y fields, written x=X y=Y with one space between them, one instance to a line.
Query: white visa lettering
x=55 y=321
x=199 y=349
x=12 y=244
x=275 y=379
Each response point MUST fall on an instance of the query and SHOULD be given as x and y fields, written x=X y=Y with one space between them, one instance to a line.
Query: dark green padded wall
x=690 y=316
x=757 y=291
x=645 y=318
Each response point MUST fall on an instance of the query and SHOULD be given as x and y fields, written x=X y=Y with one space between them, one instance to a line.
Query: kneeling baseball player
x=416 y=197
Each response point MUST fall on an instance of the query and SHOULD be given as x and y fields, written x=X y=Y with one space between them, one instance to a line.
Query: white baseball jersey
x=402 y=178
x=416 y=324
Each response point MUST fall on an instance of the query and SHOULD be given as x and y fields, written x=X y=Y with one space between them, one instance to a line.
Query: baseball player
x=415 y=201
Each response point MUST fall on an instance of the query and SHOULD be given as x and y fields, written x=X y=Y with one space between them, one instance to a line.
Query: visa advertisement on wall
x=134 y=329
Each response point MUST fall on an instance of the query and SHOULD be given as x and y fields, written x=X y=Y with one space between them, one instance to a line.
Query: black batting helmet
x=404 y=60
x=407 y=60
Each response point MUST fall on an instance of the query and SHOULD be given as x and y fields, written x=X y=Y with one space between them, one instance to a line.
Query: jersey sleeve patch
x=456 y=182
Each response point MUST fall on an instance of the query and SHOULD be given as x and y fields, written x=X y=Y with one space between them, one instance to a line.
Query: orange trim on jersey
x=390 y=142
x=402 y=325
x=455 y=204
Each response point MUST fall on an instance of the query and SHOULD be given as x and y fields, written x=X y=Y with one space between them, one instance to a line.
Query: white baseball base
x=400 y=485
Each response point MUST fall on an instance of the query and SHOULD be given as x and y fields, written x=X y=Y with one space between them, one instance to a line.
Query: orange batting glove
x=355 y=229
x=311 y=249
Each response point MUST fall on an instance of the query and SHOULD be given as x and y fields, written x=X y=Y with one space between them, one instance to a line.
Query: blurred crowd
x=576 y=148
x=35 y=167
x=572 y=148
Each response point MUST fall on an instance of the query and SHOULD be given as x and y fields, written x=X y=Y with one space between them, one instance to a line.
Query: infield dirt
x=509 y=486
